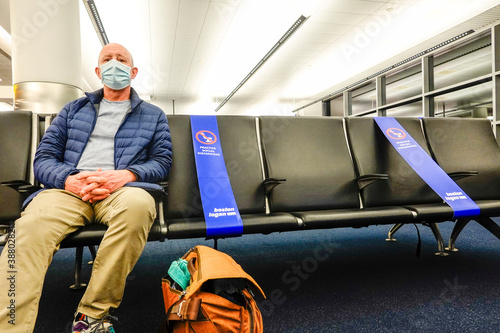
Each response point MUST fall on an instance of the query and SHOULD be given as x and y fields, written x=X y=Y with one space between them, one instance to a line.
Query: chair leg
x=93 y=253
x=459 y=226
x=393 y=230
x=485 y=222
x=437 y=233
x=489 y=225
x=78 y=269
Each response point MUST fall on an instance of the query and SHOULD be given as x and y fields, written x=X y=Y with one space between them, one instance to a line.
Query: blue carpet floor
x=339 y=280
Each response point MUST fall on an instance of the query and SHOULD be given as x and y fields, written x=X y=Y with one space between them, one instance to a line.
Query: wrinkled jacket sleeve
x=49 y=166
x=157 y=167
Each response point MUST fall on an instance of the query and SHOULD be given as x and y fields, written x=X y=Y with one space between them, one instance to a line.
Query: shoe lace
x=98 y=325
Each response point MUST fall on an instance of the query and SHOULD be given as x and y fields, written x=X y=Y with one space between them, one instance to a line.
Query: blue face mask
x=115 y=75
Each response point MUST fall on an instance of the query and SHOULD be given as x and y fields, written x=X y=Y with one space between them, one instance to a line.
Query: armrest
x=160 y=195
x=164 y=184
x=270 y=183
x=21 y=186
x=366 y=180
x=157 y=190
x=28 y=189
x=15 y=184
x=462 y=174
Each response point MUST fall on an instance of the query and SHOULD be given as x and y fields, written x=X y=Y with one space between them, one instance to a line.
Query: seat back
x=462 y=145
x=238 y=137
x=311 y=153
x=15 y=145
x=44 y=120
x=374 y=154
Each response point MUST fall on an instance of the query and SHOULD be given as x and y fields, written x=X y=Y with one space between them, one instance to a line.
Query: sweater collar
x=95 y=97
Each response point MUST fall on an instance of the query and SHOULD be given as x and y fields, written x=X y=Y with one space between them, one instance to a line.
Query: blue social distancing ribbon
x=222 y=216
x=427 y=168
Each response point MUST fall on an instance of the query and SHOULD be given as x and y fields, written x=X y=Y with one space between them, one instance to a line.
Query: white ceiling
x=195 y=52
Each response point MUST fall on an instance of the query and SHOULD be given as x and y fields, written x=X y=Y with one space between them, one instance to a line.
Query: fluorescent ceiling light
x=300 y=21
x=96 y=21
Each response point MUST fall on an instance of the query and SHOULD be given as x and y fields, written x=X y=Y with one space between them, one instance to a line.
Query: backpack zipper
x=248 y=306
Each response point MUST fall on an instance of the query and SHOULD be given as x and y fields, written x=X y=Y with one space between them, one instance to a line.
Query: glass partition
x=337 y=106
x=404 y=84
x=471 y=102
x=465 y=63
x=364 y=98
x=407 y=110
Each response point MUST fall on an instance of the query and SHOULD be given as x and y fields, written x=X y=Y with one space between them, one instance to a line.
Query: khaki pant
x=49 y=218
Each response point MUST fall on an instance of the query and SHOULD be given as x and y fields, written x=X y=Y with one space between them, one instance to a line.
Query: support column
x=46 y=54
x=381 y=88
x=46 y=57
x=347 y=101
x=428 y=86
x=495 y=43
x=326 y=109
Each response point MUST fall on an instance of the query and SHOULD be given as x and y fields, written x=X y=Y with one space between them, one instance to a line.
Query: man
x=92 y=155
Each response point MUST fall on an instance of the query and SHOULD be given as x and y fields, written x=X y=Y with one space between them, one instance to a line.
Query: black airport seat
x=15 y=148
x=320 y=186
x=15 y=143
x=374 y=155
x=468 y=151
x=239 y=141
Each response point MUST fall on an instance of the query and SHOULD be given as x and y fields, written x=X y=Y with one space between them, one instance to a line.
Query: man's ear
x=98 y=72
x=133 y=72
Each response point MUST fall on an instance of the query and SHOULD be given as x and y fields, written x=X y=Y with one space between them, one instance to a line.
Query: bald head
x=115 y=51
x=119 y=53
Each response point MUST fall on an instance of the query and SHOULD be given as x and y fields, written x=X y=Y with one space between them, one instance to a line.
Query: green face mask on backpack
x=179 y=272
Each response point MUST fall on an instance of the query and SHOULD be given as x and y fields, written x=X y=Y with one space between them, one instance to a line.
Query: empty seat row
x=296 y=173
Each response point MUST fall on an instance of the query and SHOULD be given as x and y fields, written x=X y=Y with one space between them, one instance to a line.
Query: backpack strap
x=185 y=309
x=188 y=311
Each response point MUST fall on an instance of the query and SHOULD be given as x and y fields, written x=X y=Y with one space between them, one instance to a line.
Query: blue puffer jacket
x=142 y=143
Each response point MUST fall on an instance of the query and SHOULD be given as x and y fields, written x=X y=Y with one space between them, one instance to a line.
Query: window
x=404 y=84
x=468 y=62
x=364 y=98
x=407 y=110
x=337 y=106
x=475 y=102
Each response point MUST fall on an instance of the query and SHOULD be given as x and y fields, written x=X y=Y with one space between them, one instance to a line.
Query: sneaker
x=85 y=324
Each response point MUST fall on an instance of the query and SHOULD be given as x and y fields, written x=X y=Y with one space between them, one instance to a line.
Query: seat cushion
x=342 y=218
x=252 y=224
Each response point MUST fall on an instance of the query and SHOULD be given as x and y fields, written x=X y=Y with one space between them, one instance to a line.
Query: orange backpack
x=219 y=297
